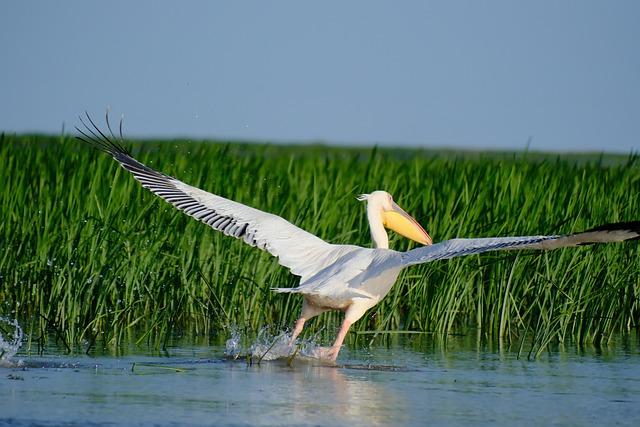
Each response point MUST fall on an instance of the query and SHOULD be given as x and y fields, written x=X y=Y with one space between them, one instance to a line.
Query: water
x=411 y=381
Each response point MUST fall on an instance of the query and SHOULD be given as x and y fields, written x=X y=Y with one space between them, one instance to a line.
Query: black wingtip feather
x=632 y=226
x=92 y=135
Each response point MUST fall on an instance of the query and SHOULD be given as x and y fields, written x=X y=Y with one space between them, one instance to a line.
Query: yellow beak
x=401 y=222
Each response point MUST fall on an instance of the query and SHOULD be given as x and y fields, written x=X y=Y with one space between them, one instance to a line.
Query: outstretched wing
x=300 y=251
x=618 y=232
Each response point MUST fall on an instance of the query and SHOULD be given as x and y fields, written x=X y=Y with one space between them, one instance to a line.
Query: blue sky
x=564 y=75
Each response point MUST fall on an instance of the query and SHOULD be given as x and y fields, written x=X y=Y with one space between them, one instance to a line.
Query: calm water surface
x=406 y=383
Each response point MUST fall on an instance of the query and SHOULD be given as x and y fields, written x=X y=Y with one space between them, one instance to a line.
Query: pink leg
x=332 y=353
x=308 y=311
x=351 y=315
x=297 y=330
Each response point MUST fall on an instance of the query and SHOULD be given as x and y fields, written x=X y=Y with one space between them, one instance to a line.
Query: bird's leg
x=308 y=311
x=332 y=352
x=351 y=315
x=297 y=330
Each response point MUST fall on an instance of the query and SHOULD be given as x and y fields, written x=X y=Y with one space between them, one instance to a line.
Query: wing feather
x=617 y=232
x=302 y=252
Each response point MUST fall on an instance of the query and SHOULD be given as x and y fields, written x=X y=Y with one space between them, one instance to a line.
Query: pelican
x=348 y=278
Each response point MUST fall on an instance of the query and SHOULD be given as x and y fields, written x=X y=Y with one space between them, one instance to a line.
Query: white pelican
x=348 y=278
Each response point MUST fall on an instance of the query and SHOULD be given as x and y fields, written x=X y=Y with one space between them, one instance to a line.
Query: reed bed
x=88 y=254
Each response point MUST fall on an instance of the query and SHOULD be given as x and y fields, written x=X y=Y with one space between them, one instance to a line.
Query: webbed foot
x=327 y=353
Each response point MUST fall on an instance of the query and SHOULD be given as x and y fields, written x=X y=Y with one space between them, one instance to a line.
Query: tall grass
x=87 y=253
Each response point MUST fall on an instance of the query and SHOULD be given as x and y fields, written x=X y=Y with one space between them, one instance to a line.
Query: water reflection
x=334 y=395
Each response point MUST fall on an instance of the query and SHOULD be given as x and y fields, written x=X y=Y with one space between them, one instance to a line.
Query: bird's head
x=393 y=217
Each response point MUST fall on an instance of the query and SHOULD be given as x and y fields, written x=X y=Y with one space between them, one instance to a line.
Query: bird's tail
x=286 y=290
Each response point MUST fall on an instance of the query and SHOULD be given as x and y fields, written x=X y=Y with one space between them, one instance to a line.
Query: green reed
x=88 y=254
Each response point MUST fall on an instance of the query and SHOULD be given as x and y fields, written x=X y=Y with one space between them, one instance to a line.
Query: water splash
x=233 y=346
x=268 y=346
x=9 y=345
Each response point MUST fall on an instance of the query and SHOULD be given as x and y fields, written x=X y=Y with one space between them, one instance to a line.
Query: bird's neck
x=378 y=233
